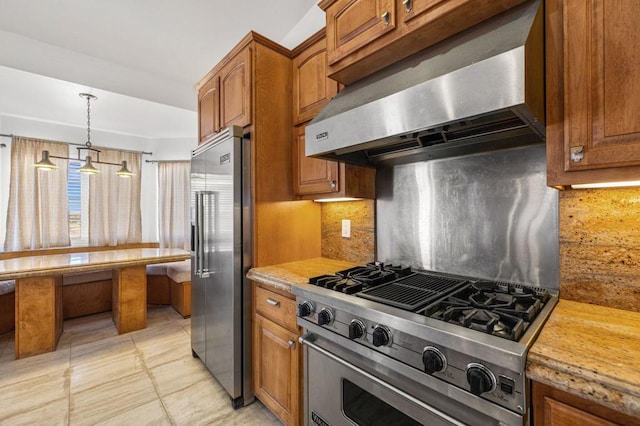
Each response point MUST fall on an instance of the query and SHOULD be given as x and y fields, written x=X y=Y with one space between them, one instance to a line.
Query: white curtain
x=37 y=214
x=114 y=202
x=173 y=204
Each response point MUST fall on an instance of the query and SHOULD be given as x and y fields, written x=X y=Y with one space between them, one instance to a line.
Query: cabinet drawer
x=275 y=307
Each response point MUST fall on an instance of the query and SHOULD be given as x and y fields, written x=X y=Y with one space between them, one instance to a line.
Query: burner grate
x=413 y=291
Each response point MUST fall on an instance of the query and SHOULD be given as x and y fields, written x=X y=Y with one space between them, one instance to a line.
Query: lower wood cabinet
x=553 y=407
x=277 y=355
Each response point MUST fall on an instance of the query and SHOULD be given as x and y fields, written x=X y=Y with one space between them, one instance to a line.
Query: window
x=77 y=190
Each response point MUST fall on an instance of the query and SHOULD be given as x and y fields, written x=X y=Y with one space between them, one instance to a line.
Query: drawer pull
x=407 y=5
x=273 y=302
x=386 y=17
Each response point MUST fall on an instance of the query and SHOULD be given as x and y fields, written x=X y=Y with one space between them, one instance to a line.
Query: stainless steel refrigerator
x=220 y=258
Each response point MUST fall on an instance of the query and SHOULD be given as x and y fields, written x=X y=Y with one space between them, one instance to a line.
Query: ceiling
x=141 y=58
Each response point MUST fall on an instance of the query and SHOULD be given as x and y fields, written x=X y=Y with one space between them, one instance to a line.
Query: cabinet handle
x=577 y=153
x=408 y=5
x=333 y=184
x=292 y=344
x=273 y=302
x=386 y=17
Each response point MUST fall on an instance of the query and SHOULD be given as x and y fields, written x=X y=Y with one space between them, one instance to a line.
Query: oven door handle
x=308 y=338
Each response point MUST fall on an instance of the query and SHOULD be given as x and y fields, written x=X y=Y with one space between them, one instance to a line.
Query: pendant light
x=88 y=167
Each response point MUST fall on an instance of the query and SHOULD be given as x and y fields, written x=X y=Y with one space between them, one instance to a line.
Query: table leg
x=130 y=298
x=38 y=315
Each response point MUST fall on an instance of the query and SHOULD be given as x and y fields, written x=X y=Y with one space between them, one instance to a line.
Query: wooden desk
x=39 y=291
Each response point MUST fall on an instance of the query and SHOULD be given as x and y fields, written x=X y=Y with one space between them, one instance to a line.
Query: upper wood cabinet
x=209 y=109
x=364 y=36
x=593 y=91
x=321 y=179
x=235 y=90
x=315 y=178
x=357 y=23
x=224 y=96
x=312 y=176
x=312 y=89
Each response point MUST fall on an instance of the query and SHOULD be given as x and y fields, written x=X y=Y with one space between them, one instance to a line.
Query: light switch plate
x=346 y=228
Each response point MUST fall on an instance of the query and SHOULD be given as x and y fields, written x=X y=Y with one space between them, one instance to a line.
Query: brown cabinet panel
x=276 y=369
x=359 y=42
x=553 y=407
x=352 y=24
x=312 y=89
x=413 y=8
x=235 y=91
x=593 y=91
x=312 y=175
x=276 y=307
x=209 y=109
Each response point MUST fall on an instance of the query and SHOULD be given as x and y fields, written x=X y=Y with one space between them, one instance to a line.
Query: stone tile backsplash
x=600 y=247
x=360 y=248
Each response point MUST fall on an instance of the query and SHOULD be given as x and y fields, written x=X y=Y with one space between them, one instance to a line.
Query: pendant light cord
x=88 y=122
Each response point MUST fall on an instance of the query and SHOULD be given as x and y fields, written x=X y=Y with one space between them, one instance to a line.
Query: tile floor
x=97 y=377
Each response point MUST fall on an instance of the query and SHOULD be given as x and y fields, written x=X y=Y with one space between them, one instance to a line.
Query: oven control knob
x=305 y=309
x=434 y=361
x=381 y=336
x=480 y=378
x=325 y=316
x=356 y=329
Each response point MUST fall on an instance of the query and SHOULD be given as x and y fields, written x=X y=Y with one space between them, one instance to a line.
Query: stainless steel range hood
x=480 y=90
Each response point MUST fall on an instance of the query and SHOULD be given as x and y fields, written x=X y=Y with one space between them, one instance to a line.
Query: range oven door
x=340 y=393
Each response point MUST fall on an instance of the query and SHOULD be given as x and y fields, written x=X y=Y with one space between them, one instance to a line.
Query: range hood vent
x=478 y=91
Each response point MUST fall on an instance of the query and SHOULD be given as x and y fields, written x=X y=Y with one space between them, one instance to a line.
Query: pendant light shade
x=45 y=163
x=88 y=168
x=124 y=171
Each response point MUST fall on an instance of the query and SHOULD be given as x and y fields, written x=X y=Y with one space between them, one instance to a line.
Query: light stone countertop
x=54 y=264
x=592 y=352
x=284 y=275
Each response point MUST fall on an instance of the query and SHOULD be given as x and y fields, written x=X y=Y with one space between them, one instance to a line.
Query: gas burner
x=359 y=278
x=499 y=308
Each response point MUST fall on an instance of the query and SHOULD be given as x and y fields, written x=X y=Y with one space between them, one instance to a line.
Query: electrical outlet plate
x=346 y=228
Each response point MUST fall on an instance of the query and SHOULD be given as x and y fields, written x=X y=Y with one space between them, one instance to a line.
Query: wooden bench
x=7 y=306
x=170 y=283
x=87 y=293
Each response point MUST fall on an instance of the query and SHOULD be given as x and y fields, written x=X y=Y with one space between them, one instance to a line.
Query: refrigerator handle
x=201 y=239
x=210 y=222
x=196 y=235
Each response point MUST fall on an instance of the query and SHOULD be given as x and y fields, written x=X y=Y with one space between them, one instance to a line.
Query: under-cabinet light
x=606 y=184
x=329 y=200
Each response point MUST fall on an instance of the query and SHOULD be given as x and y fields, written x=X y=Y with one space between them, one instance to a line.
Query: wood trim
x=65 y=250
x=319 y=35
x=324 y=4
x=252 y=36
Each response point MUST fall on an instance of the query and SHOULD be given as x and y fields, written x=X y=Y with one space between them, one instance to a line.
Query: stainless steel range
x=387 y=344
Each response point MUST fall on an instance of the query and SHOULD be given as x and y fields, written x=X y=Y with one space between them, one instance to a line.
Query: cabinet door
x=352 y=24
x=276 y=365
x=312 y=89
x=235 y=91
x=553 y=407
x=311 y=175
x=593 y=81
x=208 y=109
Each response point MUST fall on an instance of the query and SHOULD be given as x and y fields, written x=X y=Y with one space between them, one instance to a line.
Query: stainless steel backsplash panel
x=487 y=215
